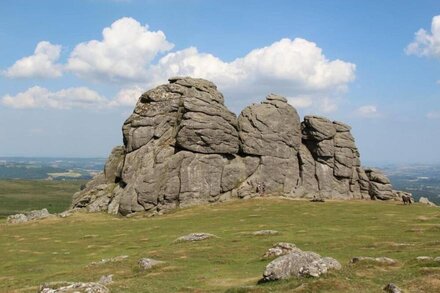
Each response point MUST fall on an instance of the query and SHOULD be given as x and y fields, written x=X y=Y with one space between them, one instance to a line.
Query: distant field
x=43 y=168
x=62 y=249
x=25 y=195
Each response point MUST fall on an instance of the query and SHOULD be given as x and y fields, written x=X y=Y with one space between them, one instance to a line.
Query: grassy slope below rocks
x=18 y=196
x=62 y=249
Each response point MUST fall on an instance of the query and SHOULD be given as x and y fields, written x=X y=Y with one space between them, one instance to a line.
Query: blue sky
x=65 y=88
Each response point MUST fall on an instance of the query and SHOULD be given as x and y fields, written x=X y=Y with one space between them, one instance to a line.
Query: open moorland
x=18 y=196
x=63 y=249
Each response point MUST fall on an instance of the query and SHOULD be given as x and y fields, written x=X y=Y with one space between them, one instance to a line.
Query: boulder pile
x=183 y=147
x=30 y=216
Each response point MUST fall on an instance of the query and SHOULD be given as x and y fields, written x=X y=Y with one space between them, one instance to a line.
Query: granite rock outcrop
x=183 y=147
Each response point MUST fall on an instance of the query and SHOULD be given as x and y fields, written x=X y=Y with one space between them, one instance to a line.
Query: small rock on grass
x=392 y=288
x=425 y=200
x=68 y=213
x=106 y=280
x=69 y=287
x=281 y=248
x=424 y=258
x=265 y=232
x=109 y=260
x=194 y=237
x=381 y=260
x=148 y=263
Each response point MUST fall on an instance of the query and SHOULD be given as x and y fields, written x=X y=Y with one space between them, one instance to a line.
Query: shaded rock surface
x=183 y=147
x=30 y=216
x=392 y=288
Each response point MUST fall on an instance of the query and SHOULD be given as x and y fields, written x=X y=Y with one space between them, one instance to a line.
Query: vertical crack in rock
x=183 y=147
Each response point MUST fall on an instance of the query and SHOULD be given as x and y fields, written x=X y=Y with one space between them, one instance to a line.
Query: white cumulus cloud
x=39 y=97
x=127 y=97
x=123 y=54
x=290 y=67
x=367 y=111
x=315 y=103
x=130 y=54
x=292 y=64
x=69 y=98
x=425 y=43
x=42 y=64
x=301 y=102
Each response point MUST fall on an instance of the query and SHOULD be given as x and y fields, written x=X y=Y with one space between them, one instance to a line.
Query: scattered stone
x=391 y=288
x=68 y=213
x=106 y=280
x=437 y=259
x=281 y=248
x=65 y=214
x=195 y=237
x=424 y=258
x=148 y=263
x=265 y=232
x=381 y=260
x=298 y=264
x=426 y=201
x=30 y=216
x=71 y=287
x=16 y=219
x=110 y=260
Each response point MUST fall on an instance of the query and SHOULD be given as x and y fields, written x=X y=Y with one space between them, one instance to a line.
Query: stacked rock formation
x=182 y=147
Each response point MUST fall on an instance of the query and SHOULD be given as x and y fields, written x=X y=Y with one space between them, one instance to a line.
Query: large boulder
x=299 y=264
x=425 y=200
x=380 y=185
x=183 y=147
x=271 y=128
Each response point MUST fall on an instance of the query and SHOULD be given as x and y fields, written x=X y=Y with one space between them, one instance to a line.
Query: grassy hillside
x=62 y=249
x=25 y=195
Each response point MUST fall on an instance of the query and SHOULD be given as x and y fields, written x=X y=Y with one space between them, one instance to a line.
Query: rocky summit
x=183 y=147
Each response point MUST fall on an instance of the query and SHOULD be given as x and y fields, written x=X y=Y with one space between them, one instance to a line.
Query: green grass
x=18 y=196
x=62 y=249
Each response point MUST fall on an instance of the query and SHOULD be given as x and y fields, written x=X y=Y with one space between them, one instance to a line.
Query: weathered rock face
x=380 y=185
x=182 y=147
x=330 y=160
